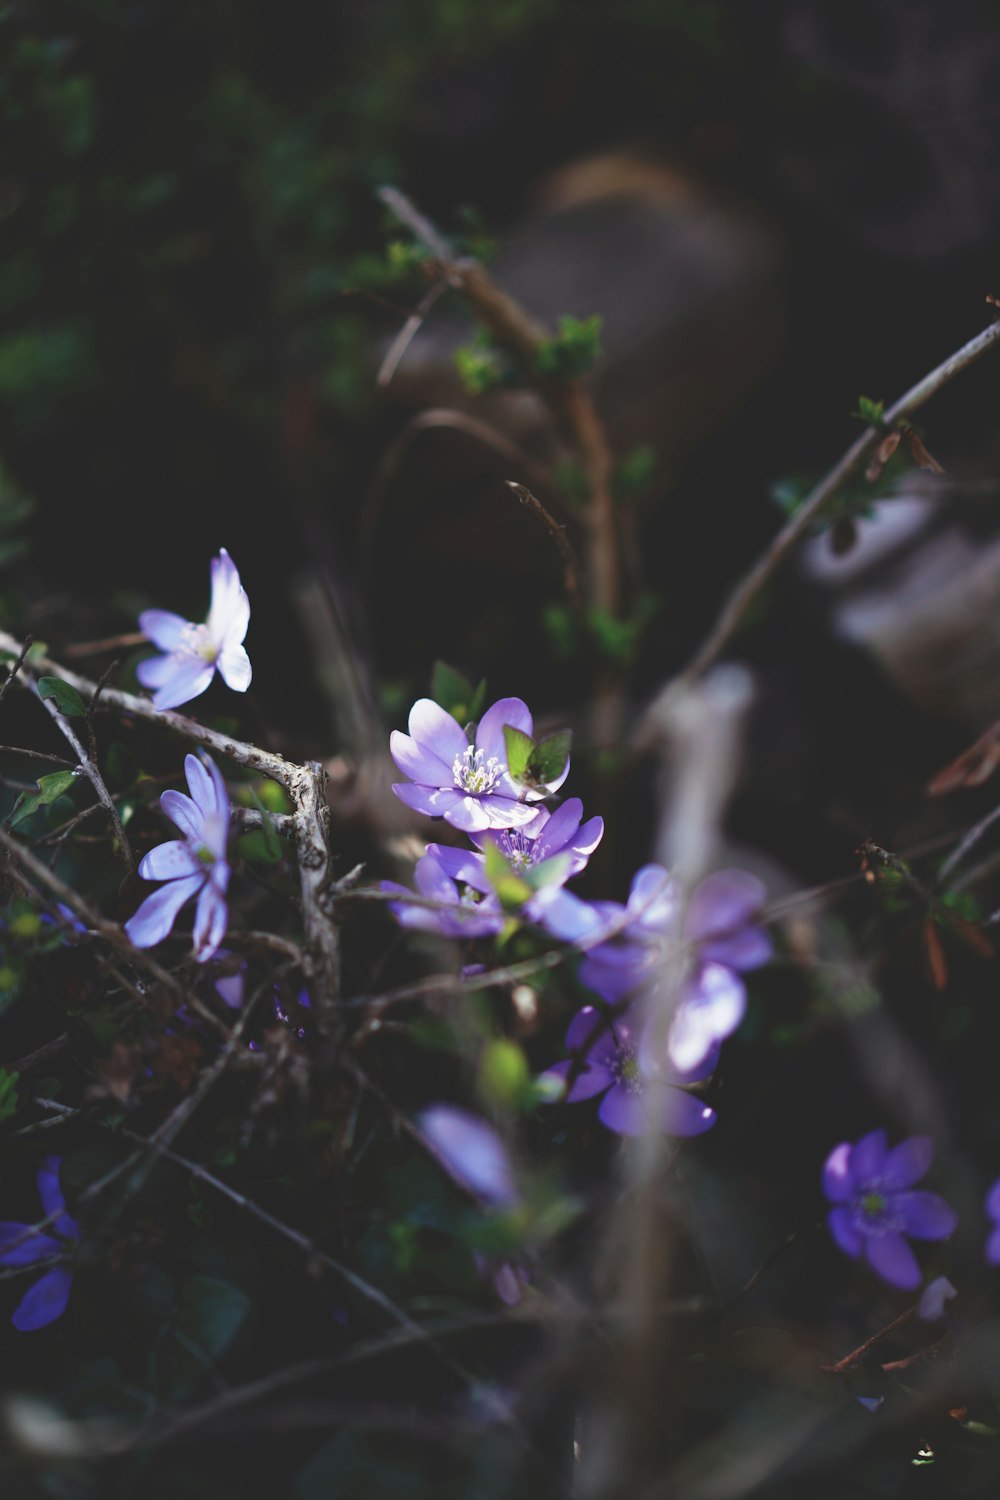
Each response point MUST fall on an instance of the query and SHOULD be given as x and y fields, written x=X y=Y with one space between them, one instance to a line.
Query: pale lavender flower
x=471 y=1152
x=933 y=1299
x=466 y=784
x=23 y=1245
x=194 y=865
x=875 y=1207
x=459 y=910
x=721 y=934
x=193 y=653
x=608 y=1056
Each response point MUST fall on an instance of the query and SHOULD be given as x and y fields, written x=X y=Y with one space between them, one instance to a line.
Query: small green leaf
x=511 y=891
x=520 y=748
x=872 y=412
x=49 y=788
x=503 y=1073
x=8 y=1093
x=548 y=759
x=452 y=691
x=68 y=700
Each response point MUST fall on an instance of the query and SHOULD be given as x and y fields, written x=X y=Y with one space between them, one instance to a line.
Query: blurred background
x=773 y=208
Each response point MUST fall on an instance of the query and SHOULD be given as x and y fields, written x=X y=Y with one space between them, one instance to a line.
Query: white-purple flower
x=193 y=653
x=471 y=1152
x=466 y=783
x=875 y=1207
x=194 y=865
x=719 y=929
x=452 y=908
x=608 y=1056
x=23 y=1245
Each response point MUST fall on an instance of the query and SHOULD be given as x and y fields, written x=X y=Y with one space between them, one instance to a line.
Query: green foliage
x=872 y=413
x=66 y=697
x=455 y=692
x=573 y=350
x=483 y=365
x=49 y=788
x=503 y=1075
x=536 y=763
x=8 y=1093
x=634 y=473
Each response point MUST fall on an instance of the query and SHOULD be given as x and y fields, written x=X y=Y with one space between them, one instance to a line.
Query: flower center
x=197 y=641
x=872 y=1205
x=474 y=773
x=626 y=1070
x=516 y=849
x=204 y=854
x=469 y=896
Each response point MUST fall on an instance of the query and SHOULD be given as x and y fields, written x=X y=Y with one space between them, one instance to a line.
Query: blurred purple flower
x=192 y=866
x=193 y=653
x=931 y=1307
x=719 y=924
x=993 y=1212
x=608 y=1056
x=460 y=911
x=874 y=1207
x=471 y=1152
x=23 y=1245
x=466 y=784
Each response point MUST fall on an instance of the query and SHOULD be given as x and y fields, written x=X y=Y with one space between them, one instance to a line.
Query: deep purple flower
x=608 y=1056
x=719 y=929
x=23 y=1245
x=993 y=1212
x=460 y=911
x=875 y=1207
x=193 y=653
x=466 y=784
x=470 y=1151
x=194 y=865
x=545 y=853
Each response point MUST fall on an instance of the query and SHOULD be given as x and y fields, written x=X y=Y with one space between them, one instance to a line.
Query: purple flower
x=23 y=1245
x=545 y=853
x=993 y=1213
x=194 y=865
x=466 y=784
x=609 y=1055
x=719 y=926
x=931 y=1307
x=874 y=1207
x=471 y=1152
x=460 y=911
x=194 y=652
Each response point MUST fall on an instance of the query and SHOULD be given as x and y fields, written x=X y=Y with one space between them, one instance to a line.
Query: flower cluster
x=25 y=1245
x=521 y=857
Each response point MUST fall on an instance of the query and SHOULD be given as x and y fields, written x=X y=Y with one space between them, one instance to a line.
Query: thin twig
x=558 y=535
x=407 y=334
x=13 y=670
x=750 y=586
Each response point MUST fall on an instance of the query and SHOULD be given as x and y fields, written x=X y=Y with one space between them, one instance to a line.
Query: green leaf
x=512 y=892
x=49 y=788
x=68 y=700
x=8 y=1093
x=872 y=412
x=503 y=1073
x=520 y=748
x=454 y=692
x=548 y=758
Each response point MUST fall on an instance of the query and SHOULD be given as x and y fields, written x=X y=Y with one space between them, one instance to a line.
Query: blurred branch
x=558 y=535
x=763 y=570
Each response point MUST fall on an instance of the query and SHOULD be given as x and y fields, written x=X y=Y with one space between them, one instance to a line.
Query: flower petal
x=562 y=914
x=935 y=1294
x=925 y=1216
x=838 y=1183
x=908 y=1162
x=993 y=1248
x=169 y=861
x=750 y=948
x=556 y=831
x=621 y=1110
x=156 y=916
x=471 y=1151
x=163 y=628
x=184 y=814
x=37 y=1246
x=210 y=918
x=845 y=1231
x=189 y=679
x=891 y=1258
x=491 y=811
x=489 y=733
x=652 y=899
x=202 y=786
x=43 y=1302
x=423 y=800
x=993 y=1201
x=229 y=610
x=868 y=1158
x=155 y=671
x=711 y=1008
x=437 y=731
x=235 y=667
x=419 y=763
x=53 y=1202
x=593 y=1035
x=686 y=1114
x=723 y=903
x=588 y=1079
